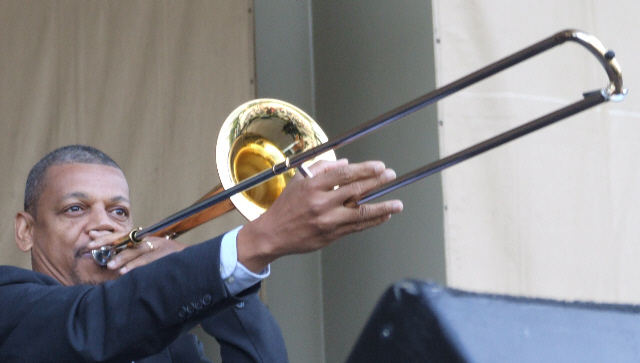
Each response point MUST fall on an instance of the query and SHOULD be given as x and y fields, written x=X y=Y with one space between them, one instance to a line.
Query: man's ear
x=24 y=231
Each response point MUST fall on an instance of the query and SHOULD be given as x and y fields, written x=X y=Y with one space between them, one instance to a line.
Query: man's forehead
x=86 y=178
x=82 y=195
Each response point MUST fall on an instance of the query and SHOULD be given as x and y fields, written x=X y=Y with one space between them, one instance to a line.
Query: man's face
x=79 y=203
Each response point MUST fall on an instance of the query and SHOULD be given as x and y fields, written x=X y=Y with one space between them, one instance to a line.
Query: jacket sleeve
x=247 y=332
x=132 y=317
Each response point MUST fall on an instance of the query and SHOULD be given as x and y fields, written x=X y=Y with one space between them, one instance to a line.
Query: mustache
x=81 y=250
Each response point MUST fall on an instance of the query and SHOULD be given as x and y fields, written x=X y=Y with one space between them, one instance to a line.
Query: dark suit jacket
x=142 y=316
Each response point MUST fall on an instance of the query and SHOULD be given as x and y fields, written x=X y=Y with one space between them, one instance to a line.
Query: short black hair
x=71 y=154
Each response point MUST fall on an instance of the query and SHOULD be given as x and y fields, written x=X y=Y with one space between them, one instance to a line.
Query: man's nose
x=100 y=222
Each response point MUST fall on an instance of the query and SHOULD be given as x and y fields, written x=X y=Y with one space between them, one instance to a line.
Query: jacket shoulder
x=10 y=275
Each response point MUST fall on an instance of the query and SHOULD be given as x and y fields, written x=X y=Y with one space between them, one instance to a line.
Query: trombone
x=264 y=141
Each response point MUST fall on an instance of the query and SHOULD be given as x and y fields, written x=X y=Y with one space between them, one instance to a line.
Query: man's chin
x=86 y=271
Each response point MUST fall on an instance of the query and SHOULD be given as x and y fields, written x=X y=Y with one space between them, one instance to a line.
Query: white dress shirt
x=236 y=277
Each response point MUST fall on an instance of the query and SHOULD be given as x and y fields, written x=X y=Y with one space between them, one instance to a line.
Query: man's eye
x=122 y=212
x=74 y=208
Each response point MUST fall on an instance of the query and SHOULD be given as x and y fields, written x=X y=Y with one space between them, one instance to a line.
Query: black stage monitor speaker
x=424 y=322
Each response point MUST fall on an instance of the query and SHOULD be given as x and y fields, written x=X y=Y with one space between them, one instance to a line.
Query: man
x=70 y=309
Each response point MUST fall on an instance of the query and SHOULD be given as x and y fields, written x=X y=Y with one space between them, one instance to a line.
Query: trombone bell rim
x=252 y=126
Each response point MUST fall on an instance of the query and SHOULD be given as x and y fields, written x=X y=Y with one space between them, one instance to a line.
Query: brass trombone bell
x=257 y=136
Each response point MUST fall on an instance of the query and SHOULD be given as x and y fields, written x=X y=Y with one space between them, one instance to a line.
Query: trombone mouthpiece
x=103 y=255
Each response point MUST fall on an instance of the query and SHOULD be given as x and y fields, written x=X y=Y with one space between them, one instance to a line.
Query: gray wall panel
x=370 y=57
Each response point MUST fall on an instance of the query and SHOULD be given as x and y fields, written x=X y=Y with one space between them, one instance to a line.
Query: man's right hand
x=311 y=213
x=151 y=249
